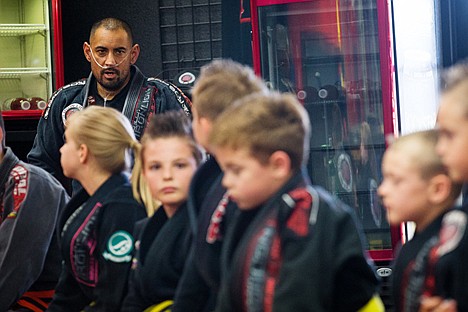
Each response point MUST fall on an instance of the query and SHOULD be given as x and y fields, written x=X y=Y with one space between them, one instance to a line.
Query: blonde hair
x=263 y=124
x=220 y=83
x=108 y=135
x=420 y=148
x=455 y=78
x=166 y=125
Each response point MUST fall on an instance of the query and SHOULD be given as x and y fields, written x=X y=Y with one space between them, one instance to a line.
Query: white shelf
x=15 y=30
x=15 y=73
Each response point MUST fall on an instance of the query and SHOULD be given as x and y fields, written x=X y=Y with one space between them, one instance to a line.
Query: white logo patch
x=119 y=247
x=69 y=110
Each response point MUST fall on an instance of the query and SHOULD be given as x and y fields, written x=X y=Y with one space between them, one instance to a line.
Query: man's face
x=453 y=141
x=111 y=54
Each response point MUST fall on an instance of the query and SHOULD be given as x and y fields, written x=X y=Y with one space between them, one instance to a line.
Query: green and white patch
x=119 y=247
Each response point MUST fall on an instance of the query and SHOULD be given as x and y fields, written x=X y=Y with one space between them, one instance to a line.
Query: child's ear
x=280 y=163
x=205 y=123
x=440 y=188
x=84 y=153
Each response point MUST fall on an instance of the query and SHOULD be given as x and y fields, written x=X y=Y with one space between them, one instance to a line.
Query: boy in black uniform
x=452 y=121
x=221 y=83
x=289 y=246
x=416 y=187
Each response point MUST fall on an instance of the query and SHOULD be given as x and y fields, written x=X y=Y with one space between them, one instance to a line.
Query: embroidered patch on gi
x=20 y=177
x=119 y=247
x=45 y=113
x=214 y=233
x=451 y=232
x=69 y=110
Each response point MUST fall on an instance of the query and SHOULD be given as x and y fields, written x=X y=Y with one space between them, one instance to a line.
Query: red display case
x=336 y=57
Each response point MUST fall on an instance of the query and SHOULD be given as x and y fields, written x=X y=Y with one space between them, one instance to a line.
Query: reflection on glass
x=327 y=53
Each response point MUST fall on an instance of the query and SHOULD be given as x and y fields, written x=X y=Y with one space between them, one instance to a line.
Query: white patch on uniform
x=452 y=230
x=69 y=110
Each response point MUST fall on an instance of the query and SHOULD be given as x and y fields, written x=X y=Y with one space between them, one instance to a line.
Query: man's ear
x=134 y=53
x=87 y=51
x=280 y=162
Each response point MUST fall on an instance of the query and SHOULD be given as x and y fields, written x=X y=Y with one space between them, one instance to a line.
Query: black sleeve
x=49 y=139
x=133 y=299
x=355 y=280
x=26 y=237
x=192 y=294
x=68 y=296
x=170 y=98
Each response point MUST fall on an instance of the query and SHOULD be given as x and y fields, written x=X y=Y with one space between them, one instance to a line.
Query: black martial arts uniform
x=162 y=247
x=300 y=251
x=96 y=239
x=433 y=263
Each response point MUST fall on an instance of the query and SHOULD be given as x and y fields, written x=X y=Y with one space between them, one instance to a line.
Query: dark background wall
x=174 y=35
x=454 y=30
x=79 y=16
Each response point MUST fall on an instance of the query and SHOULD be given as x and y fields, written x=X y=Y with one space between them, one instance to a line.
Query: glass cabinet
x=25 y=56
x=335 y=56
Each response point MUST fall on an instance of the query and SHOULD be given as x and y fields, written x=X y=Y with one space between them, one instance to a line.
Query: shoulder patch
x=19 y=174
x=451 y=232
x=69 y=110
x=119 y=247
x=81 y=82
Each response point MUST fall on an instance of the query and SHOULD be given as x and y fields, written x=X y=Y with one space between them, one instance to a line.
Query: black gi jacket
x=152 y=95
x=97 y=247
x=30 y=261
x=161 y=250
x=295 y=253
x=433 y=263
x=200 y=281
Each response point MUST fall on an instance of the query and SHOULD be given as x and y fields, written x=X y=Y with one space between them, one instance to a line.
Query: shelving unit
x=25 y=53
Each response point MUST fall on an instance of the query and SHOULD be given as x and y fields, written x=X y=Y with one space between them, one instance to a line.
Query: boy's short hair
x=420 y=148
x=265 y=123
x=220 y=83
x=456 y=78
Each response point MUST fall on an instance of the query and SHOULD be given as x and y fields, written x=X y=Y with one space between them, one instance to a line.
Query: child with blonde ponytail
x=95 y=229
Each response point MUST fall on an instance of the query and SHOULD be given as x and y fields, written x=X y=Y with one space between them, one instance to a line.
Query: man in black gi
x=115 y=82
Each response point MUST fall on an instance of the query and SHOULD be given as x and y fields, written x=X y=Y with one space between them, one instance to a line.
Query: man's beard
x=114 y=84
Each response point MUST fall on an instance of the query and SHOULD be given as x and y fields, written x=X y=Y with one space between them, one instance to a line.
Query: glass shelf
x=15 y=30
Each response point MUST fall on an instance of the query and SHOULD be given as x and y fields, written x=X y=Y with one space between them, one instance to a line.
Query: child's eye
x=235 y=170
x=155 y=167
x=181 y=165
